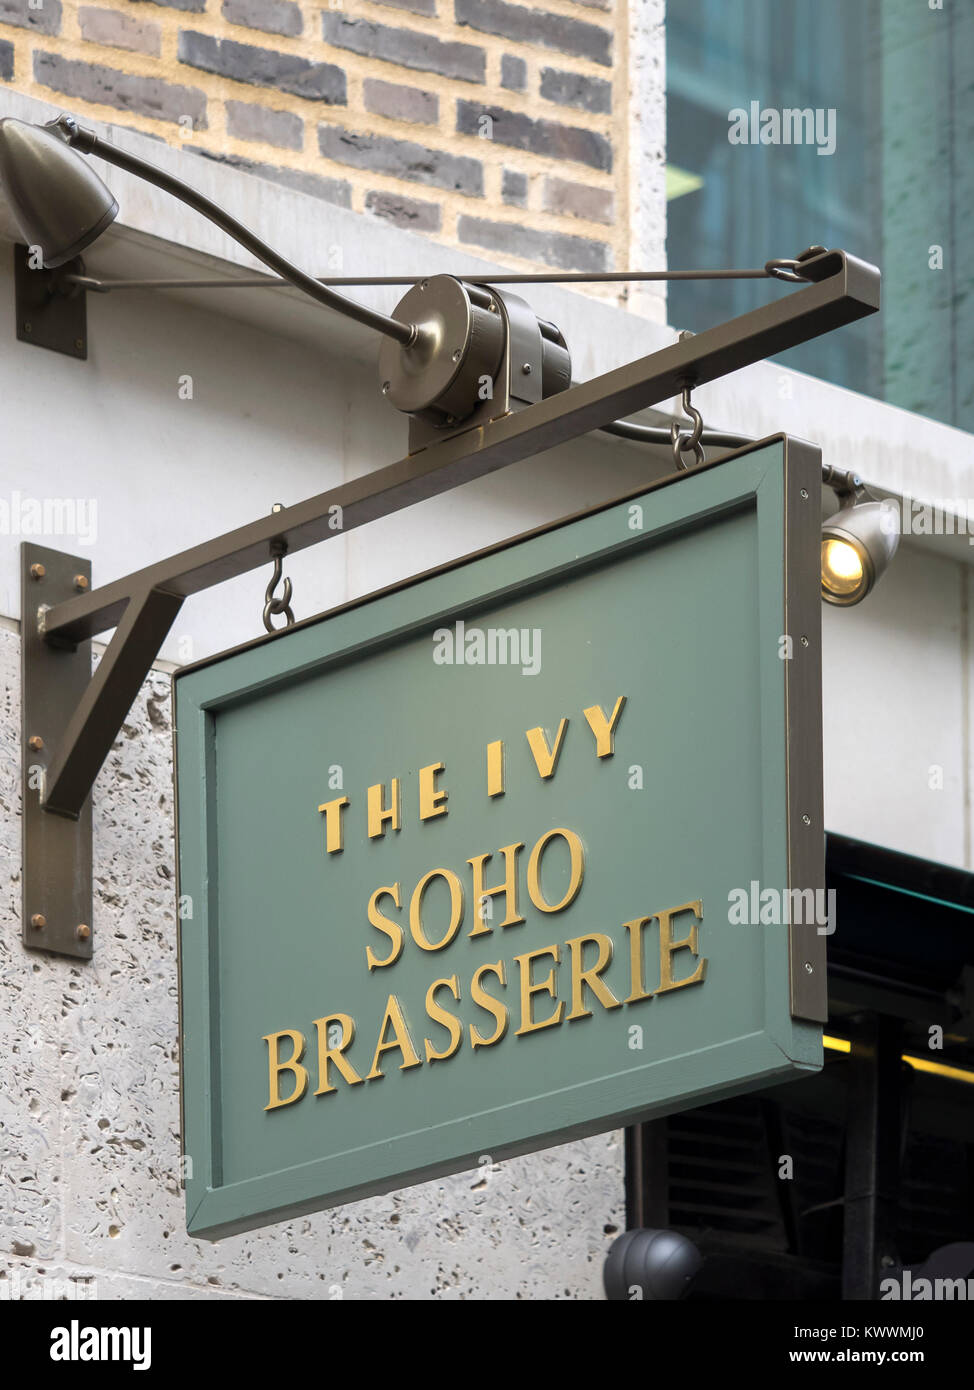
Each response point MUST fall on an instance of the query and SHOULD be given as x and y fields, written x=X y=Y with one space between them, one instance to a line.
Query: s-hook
x=687 y=443
x=272 y=604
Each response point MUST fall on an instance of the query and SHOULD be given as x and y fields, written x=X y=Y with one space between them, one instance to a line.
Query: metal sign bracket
x=82 y=713
x=52 y=311
x=57 y=849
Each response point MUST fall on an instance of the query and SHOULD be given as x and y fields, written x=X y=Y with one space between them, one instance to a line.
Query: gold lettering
x=529 y=988
x=440 y=1015
x=393 y=1017
x=590 y=977
x=379 y=813
x=334 y=830
x=431 y=801
x=487 y=1002
x=416 y=909
x=604 y=729
x=495 y=768
x=508 y=888
x=276 y=1066
x=668 y=947
x=577 y=871
x=327 y=1054
x=639 y=990
x=545 y=758
x=385 y=924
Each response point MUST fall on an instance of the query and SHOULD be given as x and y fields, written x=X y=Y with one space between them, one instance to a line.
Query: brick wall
x=496 y=125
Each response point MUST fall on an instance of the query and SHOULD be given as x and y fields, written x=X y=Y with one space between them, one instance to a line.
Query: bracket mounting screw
x=81 y=581
x=35 y=743
x=37 y=571
x=38 y=920
x=84 y=931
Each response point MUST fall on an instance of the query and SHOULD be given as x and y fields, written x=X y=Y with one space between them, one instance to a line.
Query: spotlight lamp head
x=58 y=202
x=858 y=543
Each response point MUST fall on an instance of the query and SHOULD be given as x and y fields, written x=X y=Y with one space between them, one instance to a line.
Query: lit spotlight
x=858 y=543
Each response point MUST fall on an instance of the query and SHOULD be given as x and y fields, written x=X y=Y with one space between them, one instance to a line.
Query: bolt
x=806 y=820
x=28 y=328
x=457 y=355
x=38 y=920
x=81 y=581
x=526 y=369
x=424 y=284
x=37 y=571
x=809 y=968
x=385 y=388
x=35 y=743
x=492 y=308
x=804 y=641
x=804 y=494
x=79 y=344
x=84 y=931
x=685 y=335
x=277 y=507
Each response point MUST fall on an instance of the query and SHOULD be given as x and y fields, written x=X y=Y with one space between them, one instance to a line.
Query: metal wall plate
x=50 y=314
x=57 y=849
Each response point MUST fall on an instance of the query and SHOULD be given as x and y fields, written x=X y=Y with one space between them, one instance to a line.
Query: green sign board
x=519 y=851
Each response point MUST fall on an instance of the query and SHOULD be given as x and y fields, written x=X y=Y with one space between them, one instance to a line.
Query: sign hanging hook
x=272 y=604
x=686 y=443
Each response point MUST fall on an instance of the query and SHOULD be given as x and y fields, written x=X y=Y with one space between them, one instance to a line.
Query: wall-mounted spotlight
x=59 y=202
x=858 y=541
x=458 y=355
x=455 y=355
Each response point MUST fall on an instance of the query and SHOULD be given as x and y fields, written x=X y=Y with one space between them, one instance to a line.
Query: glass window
x=847 y=123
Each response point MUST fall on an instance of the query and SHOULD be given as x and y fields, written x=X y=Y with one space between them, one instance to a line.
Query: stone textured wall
x=497 y=125
x=90 y=1203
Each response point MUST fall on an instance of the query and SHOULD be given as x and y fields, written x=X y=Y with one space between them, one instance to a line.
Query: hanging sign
x=520 y=851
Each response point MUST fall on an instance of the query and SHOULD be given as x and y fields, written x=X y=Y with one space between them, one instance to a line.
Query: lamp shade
x=57 y=201
x=858 y=543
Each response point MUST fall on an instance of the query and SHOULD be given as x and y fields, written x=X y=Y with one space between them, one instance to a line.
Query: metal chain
x=272 y=604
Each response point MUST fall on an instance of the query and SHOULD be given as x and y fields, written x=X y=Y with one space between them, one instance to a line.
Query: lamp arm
x=88 y=143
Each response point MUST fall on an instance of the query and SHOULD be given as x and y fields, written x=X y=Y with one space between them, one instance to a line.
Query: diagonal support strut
x=108 y=698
